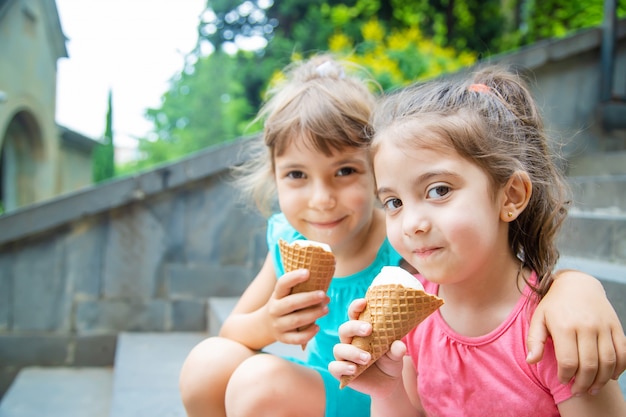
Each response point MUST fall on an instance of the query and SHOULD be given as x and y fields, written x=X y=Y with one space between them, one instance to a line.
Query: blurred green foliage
x=217 y=94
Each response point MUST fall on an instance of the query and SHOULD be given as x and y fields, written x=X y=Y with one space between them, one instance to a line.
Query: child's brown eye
x=392 y=203
x=296 y=174
x=438 y=191
x=345 y=171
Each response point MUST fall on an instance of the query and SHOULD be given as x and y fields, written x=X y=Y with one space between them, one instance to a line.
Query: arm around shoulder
x=588 y=336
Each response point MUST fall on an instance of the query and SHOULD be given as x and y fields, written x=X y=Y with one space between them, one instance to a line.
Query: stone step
x=147 y=366
x=602 y=192
x=595 y=236
x=597 y=164
x=596 y=224
x=218 y=309
x=59 y=392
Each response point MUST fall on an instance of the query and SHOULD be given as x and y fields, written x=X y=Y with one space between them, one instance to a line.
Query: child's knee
x=252 y=387
x=208 y=368
x=255 y=373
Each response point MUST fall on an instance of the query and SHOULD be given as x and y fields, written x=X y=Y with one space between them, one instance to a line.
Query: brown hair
x=318 y=104
x=491 y=119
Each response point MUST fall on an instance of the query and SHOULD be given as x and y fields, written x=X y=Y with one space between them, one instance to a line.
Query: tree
x=205 y=105
x=399 y=56
x=556 y=18
x=104 y=154
x=216 y=96
x=482 y=26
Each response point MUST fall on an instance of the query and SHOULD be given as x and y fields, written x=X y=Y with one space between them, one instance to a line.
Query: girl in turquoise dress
x=314 y=157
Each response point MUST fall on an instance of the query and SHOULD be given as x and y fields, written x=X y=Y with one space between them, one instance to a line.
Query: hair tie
x=479 y=88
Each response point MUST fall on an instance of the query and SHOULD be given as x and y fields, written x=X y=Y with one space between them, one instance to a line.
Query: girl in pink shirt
x=474 y=201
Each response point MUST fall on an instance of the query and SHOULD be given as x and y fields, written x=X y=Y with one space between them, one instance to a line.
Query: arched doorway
x=21 y=151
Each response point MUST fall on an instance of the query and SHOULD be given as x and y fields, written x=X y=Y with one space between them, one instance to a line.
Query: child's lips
x=325 y=224
x=426 y=251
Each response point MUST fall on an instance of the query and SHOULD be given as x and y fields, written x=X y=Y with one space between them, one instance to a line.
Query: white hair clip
x=326 y=69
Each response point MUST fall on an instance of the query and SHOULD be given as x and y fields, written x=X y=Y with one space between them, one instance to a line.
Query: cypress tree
x=104 y=154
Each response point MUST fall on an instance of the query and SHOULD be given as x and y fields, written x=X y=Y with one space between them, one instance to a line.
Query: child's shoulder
x=279 y=228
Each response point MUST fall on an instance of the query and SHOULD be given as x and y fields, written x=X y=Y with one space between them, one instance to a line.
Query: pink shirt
x=486 y=375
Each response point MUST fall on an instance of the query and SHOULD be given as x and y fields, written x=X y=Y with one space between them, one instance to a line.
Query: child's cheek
x=394 y=234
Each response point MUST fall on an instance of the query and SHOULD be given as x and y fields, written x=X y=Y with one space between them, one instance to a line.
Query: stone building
x=38 y=158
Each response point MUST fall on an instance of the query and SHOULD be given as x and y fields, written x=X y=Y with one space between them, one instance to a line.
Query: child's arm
x=588 y=337
x=608 y=402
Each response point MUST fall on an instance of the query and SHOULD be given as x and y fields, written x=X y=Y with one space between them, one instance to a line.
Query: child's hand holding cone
x=314 y=256
x=396 y=303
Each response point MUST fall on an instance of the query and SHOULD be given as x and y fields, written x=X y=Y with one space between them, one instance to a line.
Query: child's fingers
x=297 y=311
x=619 y=343
x=536 y=339
x=607 y=358
x=397 y=351
x=347 y=352
x=588 y=362
x=566 y=352
x=282 y=302
x=341 y=368
x=356 y=308
x=391 y=363
x=352 y=328
x=315 y=306
x=292 y=316
x=286 y=282
x=293 y=303
x=299 y=336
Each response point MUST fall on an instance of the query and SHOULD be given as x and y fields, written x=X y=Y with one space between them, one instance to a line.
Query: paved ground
x=59 y=392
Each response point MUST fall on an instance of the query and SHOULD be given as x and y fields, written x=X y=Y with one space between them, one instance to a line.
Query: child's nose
x=322 y=197
x=414 y=222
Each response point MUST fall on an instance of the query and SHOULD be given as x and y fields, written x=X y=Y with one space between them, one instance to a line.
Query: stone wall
x=137 y=254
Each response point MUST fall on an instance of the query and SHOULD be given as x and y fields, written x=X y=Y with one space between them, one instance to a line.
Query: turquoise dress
x=342 y=292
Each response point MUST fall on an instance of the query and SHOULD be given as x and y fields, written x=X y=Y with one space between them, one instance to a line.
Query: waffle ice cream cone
x=314 y=256
x=396 y=303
